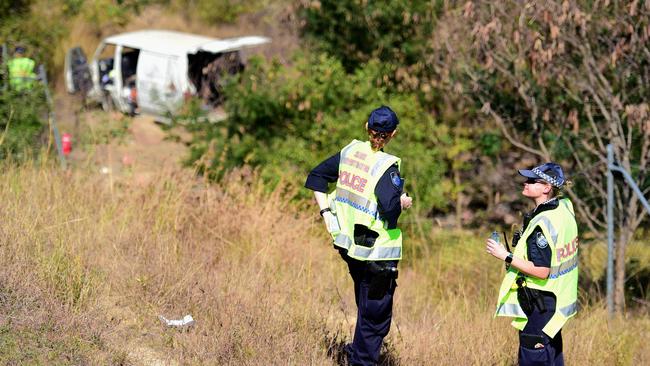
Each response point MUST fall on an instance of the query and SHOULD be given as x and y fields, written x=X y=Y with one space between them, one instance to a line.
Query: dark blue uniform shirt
x=388 y=193
x=539 y=251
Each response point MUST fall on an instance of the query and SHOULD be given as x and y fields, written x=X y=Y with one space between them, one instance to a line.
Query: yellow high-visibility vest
x=21 y=73
x=561 y=231
x=354 y=202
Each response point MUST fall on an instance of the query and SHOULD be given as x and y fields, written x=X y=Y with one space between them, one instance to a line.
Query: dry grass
x=86 y=268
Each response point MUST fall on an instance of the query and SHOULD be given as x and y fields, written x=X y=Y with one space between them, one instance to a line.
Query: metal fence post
x=610 y=231
x=50 y=106
x=611 y=167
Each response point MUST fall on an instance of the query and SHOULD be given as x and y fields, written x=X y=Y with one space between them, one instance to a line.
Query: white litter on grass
x=105 y=170
x=186 y=322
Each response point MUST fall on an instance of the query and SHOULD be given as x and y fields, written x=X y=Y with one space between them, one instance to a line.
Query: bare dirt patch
x=128 y=149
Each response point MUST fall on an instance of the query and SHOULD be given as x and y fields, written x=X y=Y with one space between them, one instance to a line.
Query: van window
x=129 y=65
x=105 y=63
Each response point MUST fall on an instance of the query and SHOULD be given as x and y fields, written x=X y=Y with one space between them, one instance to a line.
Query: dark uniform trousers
x=551 y=353
x=374 y=314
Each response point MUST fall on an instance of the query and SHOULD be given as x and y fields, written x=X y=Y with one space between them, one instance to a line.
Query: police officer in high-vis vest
x=540 y=287
x=361 y=216
x=21 y=70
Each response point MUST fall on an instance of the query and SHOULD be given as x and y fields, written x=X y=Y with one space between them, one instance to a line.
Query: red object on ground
x=66 y=143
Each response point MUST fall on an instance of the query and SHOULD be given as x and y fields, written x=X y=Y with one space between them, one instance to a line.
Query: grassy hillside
x=87 y=263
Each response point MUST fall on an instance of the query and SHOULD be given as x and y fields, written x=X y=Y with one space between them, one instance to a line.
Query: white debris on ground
x=186 y=322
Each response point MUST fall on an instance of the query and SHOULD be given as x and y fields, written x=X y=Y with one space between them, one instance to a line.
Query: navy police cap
x=383 y=119
x=549 y=172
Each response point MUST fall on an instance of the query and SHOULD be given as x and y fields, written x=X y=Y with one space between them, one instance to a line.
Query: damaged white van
x=153 y=71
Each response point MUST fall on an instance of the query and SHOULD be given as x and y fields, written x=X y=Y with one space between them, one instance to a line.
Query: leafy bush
x=358 y=31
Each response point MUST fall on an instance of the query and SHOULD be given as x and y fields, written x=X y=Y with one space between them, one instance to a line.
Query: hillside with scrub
x=212 y=219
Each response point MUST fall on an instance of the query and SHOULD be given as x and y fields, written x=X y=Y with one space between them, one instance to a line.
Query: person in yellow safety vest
x=21 y=71
x=540 y=288
x=361 y=216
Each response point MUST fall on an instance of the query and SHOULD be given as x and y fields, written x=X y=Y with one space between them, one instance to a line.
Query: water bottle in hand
x=495 y=236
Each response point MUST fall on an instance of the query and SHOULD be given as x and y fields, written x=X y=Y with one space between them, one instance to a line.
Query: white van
x=156 y=70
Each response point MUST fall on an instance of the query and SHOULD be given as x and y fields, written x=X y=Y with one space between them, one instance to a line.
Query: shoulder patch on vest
x=541 y=240
x=395 y=179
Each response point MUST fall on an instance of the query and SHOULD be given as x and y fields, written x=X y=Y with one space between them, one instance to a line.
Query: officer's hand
x=331 y=222
x=496 y=249
x=406 y=201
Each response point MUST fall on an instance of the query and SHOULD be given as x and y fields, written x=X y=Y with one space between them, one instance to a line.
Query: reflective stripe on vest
x=343 y=241
x=376 y=253
x=376 y=169
x=539 y=219
x=569 y=310
x=356 y=201
x=511 y=310
x=344 y=152
x=564 y=268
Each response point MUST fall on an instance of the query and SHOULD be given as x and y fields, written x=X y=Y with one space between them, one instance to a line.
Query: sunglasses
x=533 y=181
x=378 y=134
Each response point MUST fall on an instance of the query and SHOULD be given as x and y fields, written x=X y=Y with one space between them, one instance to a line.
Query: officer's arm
x=324 y=173
x=319 y=178
x=321 y=199
x=529 y=268
x=388 y=192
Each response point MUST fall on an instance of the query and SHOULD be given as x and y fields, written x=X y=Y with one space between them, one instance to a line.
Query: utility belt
x=529 y=298
x=382 y=269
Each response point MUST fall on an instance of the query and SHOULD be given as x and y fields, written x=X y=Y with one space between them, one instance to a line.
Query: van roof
x=178 y=43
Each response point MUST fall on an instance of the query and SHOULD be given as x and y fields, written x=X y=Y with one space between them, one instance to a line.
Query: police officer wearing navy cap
x=540 y=287
x=361 y=215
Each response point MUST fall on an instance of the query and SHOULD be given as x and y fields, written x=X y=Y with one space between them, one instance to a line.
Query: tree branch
x=594 y=129
x=584 y=210
x=507 y=135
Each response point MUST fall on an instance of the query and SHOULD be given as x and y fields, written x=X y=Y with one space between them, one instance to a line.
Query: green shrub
x=395 y=31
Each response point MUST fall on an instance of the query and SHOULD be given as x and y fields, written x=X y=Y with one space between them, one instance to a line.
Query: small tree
x=562 y=79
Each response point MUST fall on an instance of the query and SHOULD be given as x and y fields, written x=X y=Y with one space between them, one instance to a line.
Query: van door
x=125 y=78
x=158 y=83
x=77 y=72
x=176 y=83
x=102 y=73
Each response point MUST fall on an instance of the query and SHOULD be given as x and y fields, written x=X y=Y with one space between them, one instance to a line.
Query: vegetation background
x=89 y=261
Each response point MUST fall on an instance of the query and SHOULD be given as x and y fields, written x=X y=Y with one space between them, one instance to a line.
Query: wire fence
x=613 y=167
